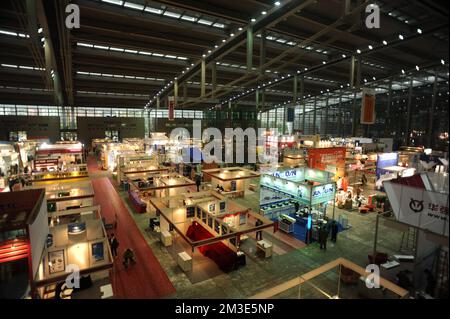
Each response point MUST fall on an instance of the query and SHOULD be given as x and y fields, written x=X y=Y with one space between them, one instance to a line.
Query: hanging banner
x=368 y=106
x=171 y=113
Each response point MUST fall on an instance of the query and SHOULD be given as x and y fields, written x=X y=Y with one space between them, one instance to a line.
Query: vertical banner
x=368 y=106
x=171 y=113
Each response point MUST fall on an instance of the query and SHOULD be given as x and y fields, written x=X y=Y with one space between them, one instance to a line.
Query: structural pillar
x=213 y=79
x=203 y=79
x=314 y=116
x=262 y=53
x=431 y=112
x=326 y=115
x=409 y=115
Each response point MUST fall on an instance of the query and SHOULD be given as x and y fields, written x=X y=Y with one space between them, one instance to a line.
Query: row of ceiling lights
x=344 y=56
x=216 y=46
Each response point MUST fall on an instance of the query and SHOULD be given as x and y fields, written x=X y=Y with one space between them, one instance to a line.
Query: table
x=184 y=261
x=266 y=247
x=390 y=264
x=107 y=291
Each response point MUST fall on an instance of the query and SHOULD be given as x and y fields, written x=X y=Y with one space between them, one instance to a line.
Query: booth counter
x=233 y=181
x=73 y=171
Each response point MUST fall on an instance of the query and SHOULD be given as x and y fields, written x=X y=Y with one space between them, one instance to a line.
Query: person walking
x=334 y=231
x=114 y=245
x=198 y=181
x=128 y=256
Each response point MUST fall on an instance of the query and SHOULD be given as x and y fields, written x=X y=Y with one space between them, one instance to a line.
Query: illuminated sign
x=289 y=174
x=323 y=193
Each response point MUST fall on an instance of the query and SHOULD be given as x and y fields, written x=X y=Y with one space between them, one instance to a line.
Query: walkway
x=146 y=279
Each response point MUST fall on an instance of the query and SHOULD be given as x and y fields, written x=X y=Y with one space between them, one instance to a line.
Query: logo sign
x=323 y=193
x=416 y=205
x=289 y=174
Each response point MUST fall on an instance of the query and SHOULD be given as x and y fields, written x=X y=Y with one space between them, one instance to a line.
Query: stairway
x=440 y=269
x=408 y=243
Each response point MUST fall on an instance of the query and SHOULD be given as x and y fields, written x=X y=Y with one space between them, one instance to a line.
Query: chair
x=380 y=258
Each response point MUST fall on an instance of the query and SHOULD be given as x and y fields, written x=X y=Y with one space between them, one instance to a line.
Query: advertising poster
x=98 y=251
x=368 y=106
x=56 y=261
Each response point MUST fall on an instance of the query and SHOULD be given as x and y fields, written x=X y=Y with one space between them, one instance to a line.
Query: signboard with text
x=418 y=207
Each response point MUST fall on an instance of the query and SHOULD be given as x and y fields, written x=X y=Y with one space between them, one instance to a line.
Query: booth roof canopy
x=19 y=209
x=231 y=173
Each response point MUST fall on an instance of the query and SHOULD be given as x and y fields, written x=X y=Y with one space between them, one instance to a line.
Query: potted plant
x=380 y=200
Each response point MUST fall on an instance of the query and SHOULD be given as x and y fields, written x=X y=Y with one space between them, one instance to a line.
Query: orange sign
x=368 y=107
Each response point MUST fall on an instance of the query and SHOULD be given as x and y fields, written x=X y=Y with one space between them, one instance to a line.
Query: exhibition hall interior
x=212 y=149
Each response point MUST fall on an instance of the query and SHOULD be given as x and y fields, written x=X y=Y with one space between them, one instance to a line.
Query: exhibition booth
x=293 y=158
x=136 y=163
x=81 y=242
x=233 y=181
x=330 y=159
x=420 y=207
x=23 y=234
x=297 y=199
x=144 y=186
x=205 y=231
x=9 y=163
x=66 y=153
x=64 y=198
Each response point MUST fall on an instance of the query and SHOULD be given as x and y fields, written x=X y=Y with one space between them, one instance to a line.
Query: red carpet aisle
x=147 y=278
x=92 y=165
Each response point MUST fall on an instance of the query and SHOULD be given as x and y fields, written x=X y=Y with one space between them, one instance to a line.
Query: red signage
x=368 y=107
x=320 y=158
x=171 y=115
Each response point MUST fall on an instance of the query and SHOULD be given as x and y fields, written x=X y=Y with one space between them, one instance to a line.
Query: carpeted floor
x=145 y=279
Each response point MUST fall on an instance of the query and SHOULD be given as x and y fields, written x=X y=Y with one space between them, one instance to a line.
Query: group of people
x=128 y=255
x=324 y=232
